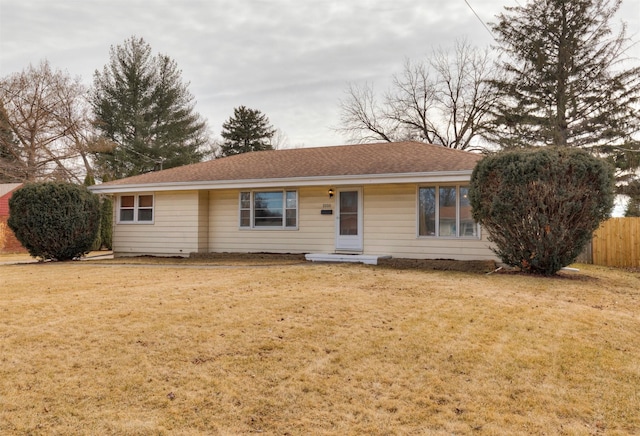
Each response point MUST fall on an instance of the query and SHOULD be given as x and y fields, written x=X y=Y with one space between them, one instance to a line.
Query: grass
x=201 y=348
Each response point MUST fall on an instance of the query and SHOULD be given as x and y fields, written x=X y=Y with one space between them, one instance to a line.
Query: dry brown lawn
x=290 y=348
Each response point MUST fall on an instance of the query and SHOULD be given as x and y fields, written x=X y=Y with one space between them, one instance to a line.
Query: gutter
x=365 y=179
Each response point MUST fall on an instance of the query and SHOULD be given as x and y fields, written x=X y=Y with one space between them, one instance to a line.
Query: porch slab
x=368 y=259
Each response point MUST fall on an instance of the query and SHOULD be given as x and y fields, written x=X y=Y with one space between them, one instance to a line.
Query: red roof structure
x=8 y=241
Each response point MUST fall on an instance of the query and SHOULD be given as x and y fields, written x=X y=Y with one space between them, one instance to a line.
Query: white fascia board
x=5 y=188
x=375 y=179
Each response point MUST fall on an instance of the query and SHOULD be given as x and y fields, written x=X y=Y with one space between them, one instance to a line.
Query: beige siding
x=390 y=220
x=207 y=221
x=390 y=227
x=175 y=229
x=203 y=222
x=314 y=234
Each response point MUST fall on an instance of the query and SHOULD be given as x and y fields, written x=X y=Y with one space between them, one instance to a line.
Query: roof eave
x=362 y=179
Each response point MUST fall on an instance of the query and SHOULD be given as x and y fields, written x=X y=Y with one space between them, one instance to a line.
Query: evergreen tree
x=106 y=223
x=633 y=206
x=247 y=130
x=146 y=112
x=565 y=83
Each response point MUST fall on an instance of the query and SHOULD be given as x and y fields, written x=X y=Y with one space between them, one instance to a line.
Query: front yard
x=294 y=348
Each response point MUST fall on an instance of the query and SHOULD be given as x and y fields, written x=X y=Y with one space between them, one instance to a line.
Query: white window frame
x=136 y=209
x=251 y=209
x=436 y=234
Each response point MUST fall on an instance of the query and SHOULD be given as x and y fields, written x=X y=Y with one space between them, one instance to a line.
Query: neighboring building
x=405 y=199
x=8 y=241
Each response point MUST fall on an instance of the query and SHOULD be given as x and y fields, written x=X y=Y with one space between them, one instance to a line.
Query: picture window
x=269 y=209
x=445 y=211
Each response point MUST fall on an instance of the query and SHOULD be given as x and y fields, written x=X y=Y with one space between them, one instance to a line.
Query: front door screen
x=348 y=213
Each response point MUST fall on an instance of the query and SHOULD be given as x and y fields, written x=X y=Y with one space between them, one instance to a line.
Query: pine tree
x=145 y=110
x=566 y=83
x=247 y=130
x=633 y=206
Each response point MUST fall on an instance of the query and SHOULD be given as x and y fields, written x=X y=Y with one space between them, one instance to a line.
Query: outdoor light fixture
x=330 y=192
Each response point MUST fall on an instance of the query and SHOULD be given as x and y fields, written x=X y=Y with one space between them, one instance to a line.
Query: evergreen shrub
x=54 y=220
x=541 y=206
x=106 y=223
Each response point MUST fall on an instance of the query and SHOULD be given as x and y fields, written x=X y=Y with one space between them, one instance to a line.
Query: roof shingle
x=345 y=160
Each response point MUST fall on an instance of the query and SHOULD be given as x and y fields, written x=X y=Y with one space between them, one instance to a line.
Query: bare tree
x=45 y=130
x=362 y=119
x=444 y=100
x=279 y=140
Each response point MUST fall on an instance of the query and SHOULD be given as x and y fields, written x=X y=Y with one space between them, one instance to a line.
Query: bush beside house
x=541 y=206
x=55 y=220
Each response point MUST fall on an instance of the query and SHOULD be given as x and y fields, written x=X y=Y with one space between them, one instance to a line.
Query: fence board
x=617 y=243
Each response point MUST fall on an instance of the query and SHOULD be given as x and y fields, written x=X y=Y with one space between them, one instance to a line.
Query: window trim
x=436 y=234
x=251 y=210
x=136 y=209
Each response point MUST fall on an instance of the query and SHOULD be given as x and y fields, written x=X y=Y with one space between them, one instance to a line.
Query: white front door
x=349 y=220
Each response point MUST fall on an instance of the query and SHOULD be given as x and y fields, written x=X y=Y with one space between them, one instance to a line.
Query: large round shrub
x=54 y=220
x=541 y=206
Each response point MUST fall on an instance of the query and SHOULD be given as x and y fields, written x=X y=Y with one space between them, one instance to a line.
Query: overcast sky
x=290 y=59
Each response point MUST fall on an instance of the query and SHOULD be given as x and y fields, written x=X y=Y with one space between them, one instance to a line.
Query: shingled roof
x=321 y=162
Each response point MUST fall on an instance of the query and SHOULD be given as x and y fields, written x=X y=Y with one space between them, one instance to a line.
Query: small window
x=444 y=211
x=136 y=209
x=292 y=209
x=468 y=227
x=245 y=209
x=448 y=212
x=427 y=212
x=127 y=206
x=145 y=208
x=269 y=209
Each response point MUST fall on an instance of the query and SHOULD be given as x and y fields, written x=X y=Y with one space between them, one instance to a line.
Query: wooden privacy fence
x=617 y=243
